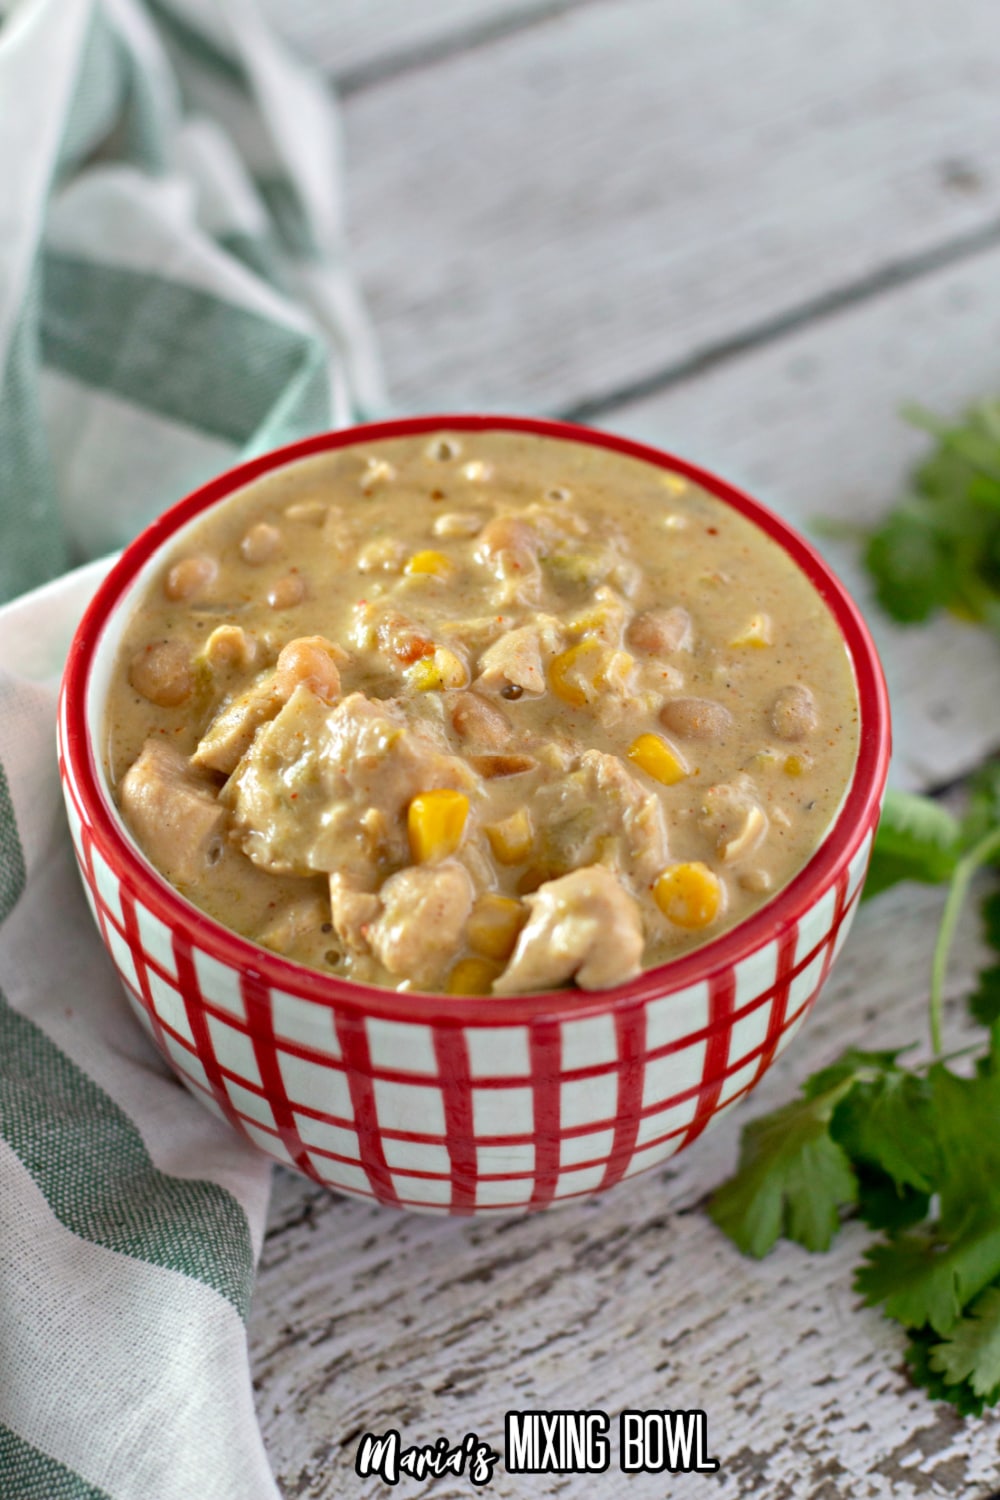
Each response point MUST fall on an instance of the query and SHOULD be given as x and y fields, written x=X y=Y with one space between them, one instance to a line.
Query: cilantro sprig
x=939 y=548
x=913 y=1149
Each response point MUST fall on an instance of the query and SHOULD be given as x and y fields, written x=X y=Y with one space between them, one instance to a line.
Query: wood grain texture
x=581 y=204
x=810 y=425
x=366 y=1319
x=361 y=42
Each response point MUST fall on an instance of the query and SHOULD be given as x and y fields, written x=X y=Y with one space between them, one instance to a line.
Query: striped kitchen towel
x=174 y=294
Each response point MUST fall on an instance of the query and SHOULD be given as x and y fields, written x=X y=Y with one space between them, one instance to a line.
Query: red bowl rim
x=857 y=814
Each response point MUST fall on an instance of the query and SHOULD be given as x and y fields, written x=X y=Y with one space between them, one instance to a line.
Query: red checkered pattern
x=455 y=1117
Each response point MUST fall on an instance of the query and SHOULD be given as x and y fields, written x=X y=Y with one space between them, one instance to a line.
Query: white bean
x=260 y=544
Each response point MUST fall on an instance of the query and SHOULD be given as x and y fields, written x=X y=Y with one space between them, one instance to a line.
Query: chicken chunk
x=598 y=812
x=352 y=910
x=293 y=921
x=172 y=810
x=479 y=722
x=400 y=640
x=517 y=658
x=424 y=911
x=734 y=819
x=230 y=734
x=323 y=788
x=604 y=618
x=584 y=926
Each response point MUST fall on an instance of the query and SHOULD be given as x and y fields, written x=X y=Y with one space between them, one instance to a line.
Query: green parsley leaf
x=971 y=1350
x=884 y=1205
x=919 y=1278
x=792 y=1178
x=984 y=1002
x=848 y=1066
x=909 y=562
x=940 y=547
x=917 y=839
x=988 y=1064
x=966 y=1113
x=982 y=813
x=887 y=1123
x=961 y=1396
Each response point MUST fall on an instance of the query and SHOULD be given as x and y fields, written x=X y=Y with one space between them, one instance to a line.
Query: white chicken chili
x=480 y=713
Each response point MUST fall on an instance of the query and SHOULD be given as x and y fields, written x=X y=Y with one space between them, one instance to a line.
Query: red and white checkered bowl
x=458 y=1104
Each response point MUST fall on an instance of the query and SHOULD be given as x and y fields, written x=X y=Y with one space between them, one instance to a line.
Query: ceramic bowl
x=458 y=1105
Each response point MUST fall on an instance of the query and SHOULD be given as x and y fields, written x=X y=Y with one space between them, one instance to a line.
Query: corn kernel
x=438 y=672
x=473 y=976
x=572 y=674
x=590 y=619
x=435 y=822
x=794 y=765
x=494 y=925
x=428 y=561
x=675 y=483
x=653 y=755
x=756 y=634
x=423 y=675
x=689 y=895
x=511 y=840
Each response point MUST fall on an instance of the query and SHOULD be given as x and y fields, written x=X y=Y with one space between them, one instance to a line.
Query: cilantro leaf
x=921 y=1279
x=988 y=1064
x=883 y=1205
x=961 y=1395
x=909 y=564
x=848 y=1066
x=887 y=1123
x=792 y=1178
x=917 y=839
x=984 y=1002
x=971 y=1351
x=940 y=547
x=982 y=812
x=966 y=1120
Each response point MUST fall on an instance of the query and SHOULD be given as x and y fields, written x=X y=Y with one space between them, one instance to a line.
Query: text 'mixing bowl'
x=455 y=1104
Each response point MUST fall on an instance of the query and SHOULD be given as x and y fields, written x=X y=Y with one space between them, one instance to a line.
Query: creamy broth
x=481 y=713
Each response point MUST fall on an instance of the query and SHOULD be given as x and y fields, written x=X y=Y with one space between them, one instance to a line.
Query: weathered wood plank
x=593 y=200
x=365 y=1319
x=810 y=425
x=360 y=41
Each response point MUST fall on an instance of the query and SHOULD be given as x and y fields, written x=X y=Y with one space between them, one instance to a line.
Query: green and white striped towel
x=173 y=294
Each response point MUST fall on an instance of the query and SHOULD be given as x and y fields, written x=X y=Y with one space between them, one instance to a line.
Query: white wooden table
x=747 y=232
